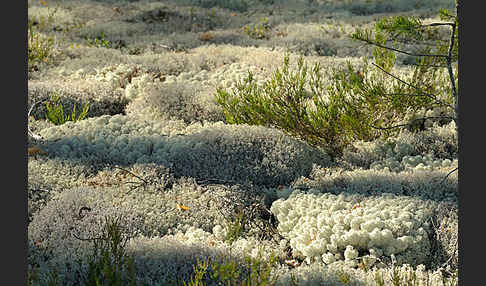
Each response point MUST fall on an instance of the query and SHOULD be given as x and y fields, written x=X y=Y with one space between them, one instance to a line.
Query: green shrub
x=55 y=112
x=292 y=101
x=360 y=103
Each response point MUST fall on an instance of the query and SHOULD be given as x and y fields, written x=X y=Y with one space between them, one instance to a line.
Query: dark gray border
x=471 y=202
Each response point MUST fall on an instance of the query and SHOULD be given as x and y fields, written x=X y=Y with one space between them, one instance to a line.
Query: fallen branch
x=144 y=184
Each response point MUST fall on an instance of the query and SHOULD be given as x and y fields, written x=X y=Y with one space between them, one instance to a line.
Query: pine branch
x=415 y=87
x=400 y=51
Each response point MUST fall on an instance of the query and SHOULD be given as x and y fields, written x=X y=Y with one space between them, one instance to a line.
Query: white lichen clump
x=225 y=76
x=116 y=75
x=330 y=228
x=241 y=247
x=433 y=149
x=137 y=86
x=196 y=150
x=417 y=162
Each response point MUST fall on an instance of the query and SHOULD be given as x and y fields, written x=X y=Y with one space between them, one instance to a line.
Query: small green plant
x=293 y=280
x=257 y=31
x=200 y=270
x=364 y=265
x=395 y=276
x=412 y=278
x=55 y=112
x=235 y=227
x=40 y=48
x=380 y=281
x=212 y=13
x=344 y=277
x=260 y=271
x=53 y=278
x=99 y=41
x=451 y=279
x=225 y=272
x=32 y=276
x=109 y=263
x=228 y=272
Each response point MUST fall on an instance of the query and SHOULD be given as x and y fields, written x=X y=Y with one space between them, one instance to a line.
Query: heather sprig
x=109 y=263
x=55 y=112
